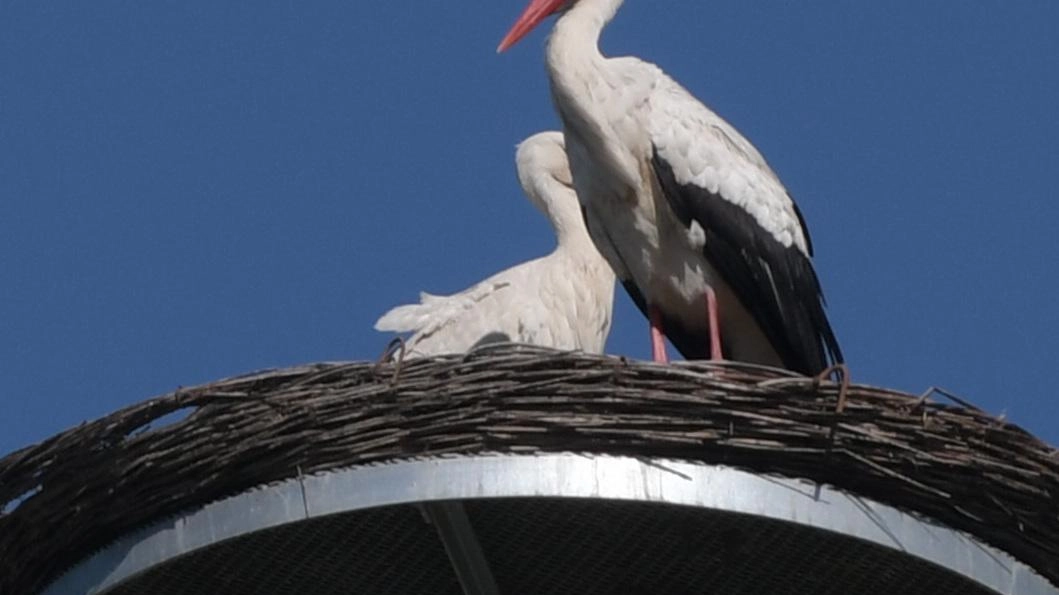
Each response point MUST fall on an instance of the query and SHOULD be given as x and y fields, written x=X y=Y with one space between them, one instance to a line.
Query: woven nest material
x=75 y=493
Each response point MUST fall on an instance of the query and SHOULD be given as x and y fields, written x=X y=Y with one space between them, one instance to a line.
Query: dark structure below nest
x=952 y=463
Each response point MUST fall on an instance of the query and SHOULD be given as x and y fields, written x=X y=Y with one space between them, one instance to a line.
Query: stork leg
x=714 y=321
x=658 y=340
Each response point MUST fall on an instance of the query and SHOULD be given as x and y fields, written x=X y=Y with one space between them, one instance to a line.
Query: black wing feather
x=776 y=283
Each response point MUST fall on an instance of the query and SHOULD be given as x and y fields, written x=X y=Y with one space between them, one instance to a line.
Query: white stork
x=562 y=300
x=696 y=225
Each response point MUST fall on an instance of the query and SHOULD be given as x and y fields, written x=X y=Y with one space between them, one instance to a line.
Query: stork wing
x=449 y=323
x=747 y=226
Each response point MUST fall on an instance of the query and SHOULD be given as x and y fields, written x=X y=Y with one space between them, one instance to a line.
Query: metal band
x=562 y=475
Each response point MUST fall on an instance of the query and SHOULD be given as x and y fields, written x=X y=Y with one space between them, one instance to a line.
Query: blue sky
x=190 y=190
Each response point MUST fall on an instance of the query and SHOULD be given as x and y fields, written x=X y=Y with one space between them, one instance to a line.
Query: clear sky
x=190 y=190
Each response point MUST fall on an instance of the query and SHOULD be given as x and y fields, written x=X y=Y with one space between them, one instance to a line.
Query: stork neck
x=564 y=213
x=577 y=31
x=571 y=233
x=581 y=77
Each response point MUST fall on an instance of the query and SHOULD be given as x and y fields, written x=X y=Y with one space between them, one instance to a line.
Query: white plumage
x=707 y=152
x=562 y=300
x=694 y=222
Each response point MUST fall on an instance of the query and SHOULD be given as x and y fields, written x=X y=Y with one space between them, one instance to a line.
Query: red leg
x=658 y=340
x=715 y=324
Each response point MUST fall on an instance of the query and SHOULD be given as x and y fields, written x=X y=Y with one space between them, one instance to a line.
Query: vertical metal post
x=450 y=519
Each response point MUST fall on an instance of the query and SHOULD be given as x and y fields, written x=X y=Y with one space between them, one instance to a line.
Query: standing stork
x=701 y=232
x=562 y=300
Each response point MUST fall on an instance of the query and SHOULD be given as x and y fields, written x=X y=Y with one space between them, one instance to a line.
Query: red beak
x=537 y=11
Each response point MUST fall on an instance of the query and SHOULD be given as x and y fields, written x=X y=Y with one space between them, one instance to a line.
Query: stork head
x=544 y=172
x=537 y=11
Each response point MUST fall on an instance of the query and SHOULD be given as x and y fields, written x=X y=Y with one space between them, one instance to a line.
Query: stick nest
x=75 y=493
